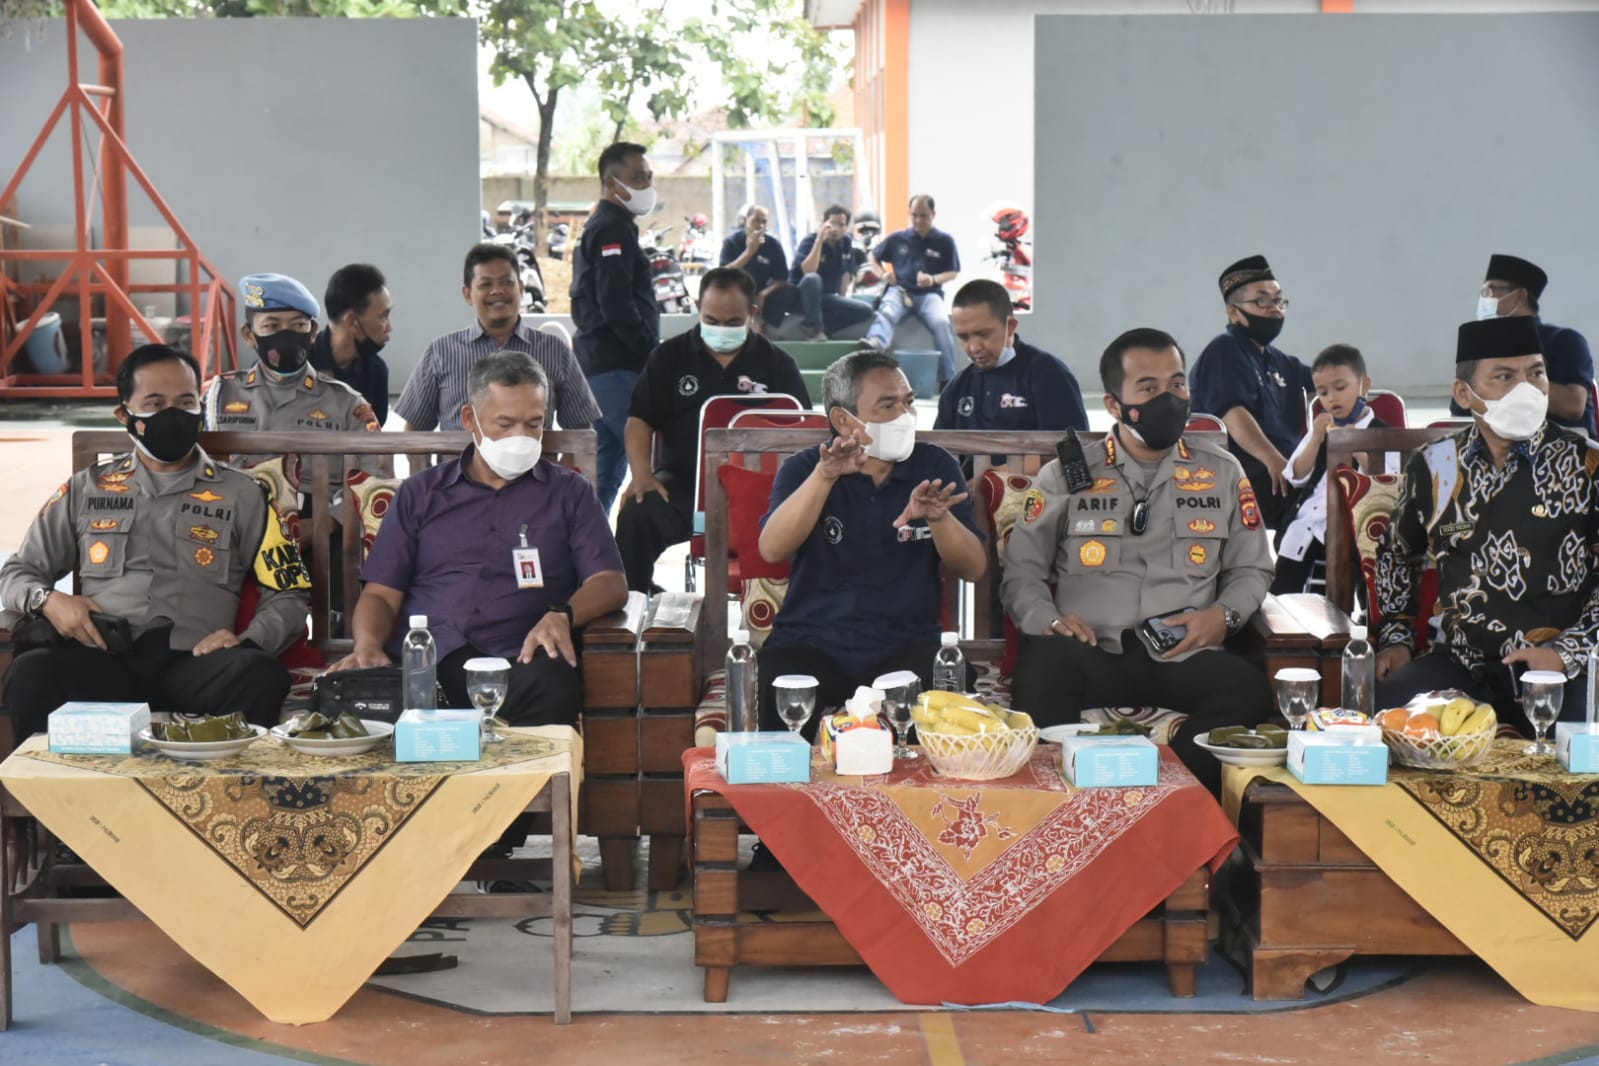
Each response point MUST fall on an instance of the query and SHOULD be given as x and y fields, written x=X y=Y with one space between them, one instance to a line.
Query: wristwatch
x=564 y=608
x=1233 y=619
x=37 y=597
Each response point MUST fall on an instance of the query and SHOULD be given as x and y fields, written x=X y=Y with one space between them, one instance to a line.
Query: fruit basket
x=1439 y=731
x=978 y=756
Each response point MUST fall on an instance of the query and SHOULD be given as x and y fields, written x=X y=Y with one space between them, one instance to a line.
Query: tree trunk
x=541 y=171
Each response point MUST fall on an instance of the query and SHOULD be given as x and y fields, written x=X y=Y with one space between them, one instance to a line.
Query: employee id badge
x=529 y=573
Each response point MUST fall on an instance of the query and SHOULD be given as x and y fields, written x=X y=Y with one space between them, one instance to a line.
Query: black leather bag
x=375 y=692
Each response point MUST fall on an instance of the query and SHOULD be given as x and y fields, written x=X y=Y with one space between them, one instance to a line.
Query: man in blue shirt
x=1009 y=384
x=824 y=272
x=922 y=259
x=868 y=519
x=1255 y=388
x=755 y=251
x=1512 y=290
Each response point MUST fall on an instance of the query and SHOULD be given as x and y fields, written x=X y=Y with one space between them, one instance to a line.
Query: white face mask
x=892 y=441
x=1518 y=414
x=510 y=457
x=640 y=201
x=1487 y=307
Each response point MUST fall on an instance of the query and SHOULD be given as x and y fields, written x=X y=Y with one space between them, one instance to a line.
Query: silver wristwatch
x=1233 y=619
x=37 y=597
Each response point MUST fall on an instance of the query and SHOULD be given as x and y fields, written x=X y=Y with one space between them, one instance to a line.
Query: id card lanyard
x=525 y=563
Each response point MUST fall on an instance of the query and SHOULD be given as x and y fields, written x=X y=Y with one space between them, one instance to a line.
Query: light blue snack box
x=84 y=728
x=438 y=736
x=1577 y=747
x=1343 y=755
x=1110 y=761
x=763 y=758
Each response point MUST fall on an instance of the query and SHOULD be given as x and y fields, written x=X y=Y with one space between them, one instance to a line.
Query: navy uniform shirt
x=613 y=297
x=368 y=374
x=839 y=260
x=859 y=587
x=1569 y=362
x=1271 y=385
x=1034 y=390
x=682 y=374
x=767 y=265
x=910 y=255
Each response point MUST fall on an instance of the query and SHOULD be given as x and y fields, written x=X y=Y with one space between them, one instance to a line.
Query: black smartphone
x=1164 y=637
x=115 y=631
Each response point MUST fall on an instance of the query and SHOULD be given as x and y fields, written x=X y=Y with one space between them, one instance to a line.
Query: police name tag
x=525 y=564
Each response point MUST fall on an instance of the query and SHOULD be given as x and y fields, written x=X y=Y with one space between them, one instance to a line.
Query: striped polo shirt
x=436 y=391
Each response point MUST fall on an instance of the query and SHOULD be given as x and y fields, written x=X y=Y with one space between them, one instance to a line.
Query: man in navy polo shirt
x=1256 y=389
x=1009 y=384
x=755 y=251
x=922 y=259
x=824 y=272
x=720 y=358
x=867 y=518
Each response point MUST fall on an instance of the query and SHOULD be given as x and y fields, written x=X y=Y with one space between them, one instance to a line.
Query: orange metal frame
x=102 y=272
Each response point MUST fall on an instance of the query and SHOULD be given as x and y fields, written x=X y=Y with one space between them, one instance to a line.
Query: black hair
x=728 y=278
x=351 y=288
x=923 y=196
x=841 y=384
x=986 y=293
x=615 y=156
x=149 y=355
x=837 y=209
x=1113 y=374
x=487 y=252
x=1340 y=355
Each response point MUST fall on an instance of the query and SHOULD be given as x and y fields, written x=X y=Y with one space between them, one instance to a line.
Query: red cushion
x=993 y=488
x=299 y=655
x=749 y=493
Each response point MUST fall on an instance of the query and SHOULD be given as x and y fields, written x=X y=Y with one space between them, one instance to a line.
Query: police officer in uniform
x=165 y=538
x=1164 y=528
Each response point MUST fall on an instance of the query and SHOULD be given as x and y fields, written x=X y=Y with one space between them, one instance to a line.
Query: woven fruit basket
x=1439 y=753
x=978 y=756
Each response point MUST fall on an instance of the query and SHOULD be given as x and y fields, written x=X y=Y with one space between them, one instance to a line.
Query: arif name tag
x=85 y=728
x=1577 y=747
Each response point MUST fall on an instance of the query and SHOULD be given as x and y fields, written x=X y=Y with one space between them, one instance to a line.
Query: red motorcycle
x=1013 y=256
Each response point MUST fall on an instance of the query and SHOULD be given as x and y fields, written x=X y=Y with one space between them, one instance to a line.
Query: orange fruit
x=1423 y=726
x=1395 y=719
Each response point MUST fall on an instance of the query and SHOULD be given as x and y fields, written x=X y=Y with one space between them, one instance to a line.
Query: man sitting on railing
x=868 y=517
x=163 y=540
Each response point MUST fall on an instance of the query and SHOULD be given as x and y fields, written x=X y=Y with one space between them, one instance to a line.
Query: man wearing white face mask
x=1509 y=509
x=868 y=518
x=506 y=554
x=720 y=358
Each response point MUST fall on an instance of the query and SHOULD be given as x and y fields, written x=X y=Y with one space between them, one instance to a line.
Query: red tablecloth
x=980 y=892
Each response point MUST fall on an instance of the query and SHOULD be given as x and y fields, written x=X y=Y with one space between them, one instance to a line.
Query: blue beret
x=277 y=292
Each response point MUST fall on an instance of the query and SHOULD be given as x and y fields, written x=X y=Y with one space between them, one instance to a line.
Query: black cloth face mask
x=166 y=436
x=1262 y=329
x=366 y=347
x=285 y=351
x=1158 y=422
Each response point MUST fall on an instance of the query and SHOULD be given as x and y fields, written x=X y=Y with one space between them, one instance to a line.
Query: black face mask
x=1262 y=329
x=1158 y=422
x=365 y=346
x=285 y=351
x=166 y=436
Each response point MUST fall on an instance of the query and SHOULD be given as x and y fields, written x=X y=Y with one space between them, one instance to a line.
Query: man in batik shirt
x=1509 y=511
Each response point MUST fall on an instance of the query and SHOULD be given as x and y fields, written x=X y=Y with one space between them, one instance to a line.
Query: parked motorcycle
x=869 y=281
x=560 y=236
x=1012 y=256
x=520 y=239
x=671 y=290
x=698 y=251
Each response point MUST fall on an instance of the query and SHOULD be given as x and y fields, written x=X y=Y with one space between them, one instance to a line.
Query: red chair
x=1449 y=423
x=718 y=413
x=1388 y=406
x=1203 y=423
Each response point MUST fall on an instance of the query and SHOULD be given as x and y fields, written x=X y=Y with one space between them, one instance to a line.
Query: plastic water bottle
x=1593 y=696
x=418 y=662
x=1360 y=673
x=742 y=711
x=949 y=665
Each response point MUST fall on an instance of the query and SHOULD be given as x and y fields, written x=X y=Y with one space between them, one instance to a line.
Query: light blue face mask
x=724 y=339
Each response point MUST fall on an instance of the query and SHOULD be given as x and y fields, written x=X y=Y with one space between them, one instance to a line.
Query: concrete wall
x=1376 y=160
x=290 y=145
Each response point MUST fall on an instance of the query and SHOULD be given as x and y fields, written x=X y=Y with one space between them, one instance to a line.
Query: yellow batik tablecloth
x=1505 y=855
x=290 y=877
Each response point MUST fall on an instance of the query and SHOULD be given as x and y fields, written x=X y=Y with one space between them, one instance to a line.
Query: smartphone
x=115 y=631
x=1164 y=637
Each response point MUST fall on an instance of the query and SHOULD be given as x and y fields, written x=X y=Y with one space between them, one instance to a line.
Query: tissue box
x=1577 y=748
x=84 y=728
x=1348 y=755
x=857 y=746
x=1091 y=761
x=438 y=736
x=763 y=758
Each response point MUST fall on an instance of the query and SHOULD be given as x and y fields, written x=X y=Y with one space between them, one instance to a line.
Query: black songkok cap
x=1498 y=338
x=1519 y=272
x=1242 y=273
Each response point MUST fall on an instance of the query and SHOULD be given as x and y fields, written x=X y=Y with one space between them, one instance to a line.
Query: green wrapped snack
x=202 y=728
x=1225 y=733
x=348 y=725
x=1246 y=740
x=307 y=723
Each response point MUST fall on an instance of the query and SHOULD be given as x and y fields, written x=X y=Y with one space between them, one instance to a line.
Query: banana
x=976 y=721
x=938 y=699
x=1018 y=719
x=1483 y=717
x=1454 y=715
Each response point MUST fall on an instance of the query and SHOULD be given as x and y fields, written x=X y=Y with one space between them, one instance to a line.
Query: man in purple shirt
x=506 y=555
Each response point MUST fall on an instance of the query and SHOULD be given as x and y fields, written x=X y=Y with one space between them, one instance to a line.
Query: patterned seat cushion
x=1371 y=500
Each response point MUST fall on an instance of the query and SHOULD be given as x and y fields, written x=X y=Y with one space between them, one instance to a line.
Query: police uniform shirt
x=838 y=261
x=252 y=400
x=911 y=254
x=1514 y=547
x=767 y=265
x=179 y=552
x=1204 y=543
x=614 y=311
x=682 y=374
x=1271 y=385
x=1569 y=361
x=1033 y=391
x=858 y=587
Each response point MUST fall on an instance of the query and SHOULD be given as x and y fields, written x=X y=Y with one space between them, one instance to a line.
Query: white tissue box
x=86 y=728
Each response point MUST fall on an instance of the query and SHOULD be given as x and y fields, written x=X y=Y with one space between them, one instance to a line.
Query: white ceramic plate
x=1056 y=733
x=203 y=749
x=1244 y=756
x=378 y=733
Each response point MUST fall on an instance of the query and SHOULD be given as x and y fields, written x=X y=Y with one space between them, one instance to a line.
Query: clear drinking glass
x=796 y=699
x=486 y=682
x=1297 y=691
x=900 y=690
x=1542 y=692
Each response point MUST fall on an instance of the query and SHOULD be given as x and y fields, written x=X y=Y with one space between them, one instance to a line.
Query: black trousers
x=545 y=691
x=644 y=529
x=1058 y=678
x=1292 y=574
x=241 y=678
x=834 y=683
x=1489 y=683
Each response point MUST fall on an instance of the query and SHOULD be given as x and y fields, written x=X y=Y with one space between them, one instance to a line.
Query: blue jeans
x=829 y=311
x=613 y=391
x=927 y=306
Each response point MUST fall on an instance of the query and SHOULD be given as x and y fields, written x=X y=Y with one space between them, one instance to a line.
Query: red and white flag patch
x=610 y=249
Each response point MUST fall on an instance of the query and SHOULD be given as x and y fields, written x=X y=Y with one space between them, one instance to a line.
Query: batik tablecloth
x=1504 y=854
x=289 y=877
x=980 y=892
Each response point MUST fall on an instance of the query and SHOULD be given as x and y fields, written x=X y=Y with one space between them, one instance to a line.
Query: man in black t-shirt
x=721 y=357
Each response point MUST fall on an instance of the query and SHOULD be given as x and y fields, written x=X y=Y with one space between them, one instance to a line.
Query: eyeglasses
x=1265 y=303
x=1498 y=290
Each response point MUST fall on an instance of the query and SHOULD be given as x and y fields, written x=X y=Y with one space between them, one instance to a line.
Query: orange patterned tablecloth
x=980 y=892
